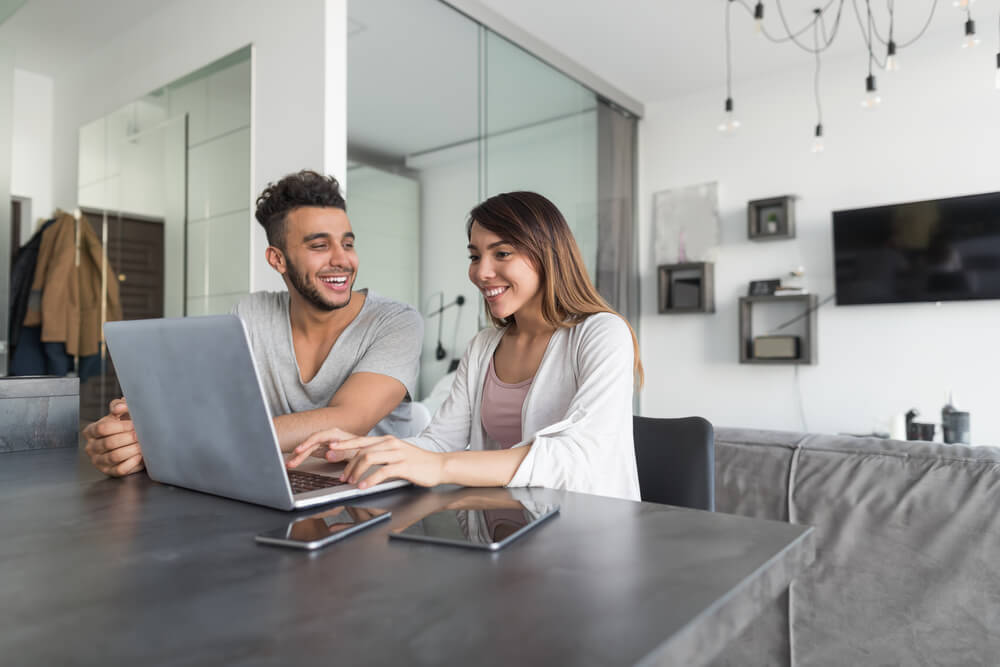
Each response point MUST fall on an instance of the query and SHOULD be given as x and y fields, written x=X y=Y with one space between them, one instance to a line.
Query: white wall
x=449 y=188
x=298 y=82
x=937 y=134
x=384 y=210
x=31 y=150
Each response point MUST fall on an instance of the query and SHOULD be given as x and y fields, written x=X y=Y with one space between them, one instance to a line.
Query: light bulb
x=891 y=63
x=970 y=35
x=758 y=16
x=729 y=122
x=817 y=146
x=962 y=4
x=871 y=98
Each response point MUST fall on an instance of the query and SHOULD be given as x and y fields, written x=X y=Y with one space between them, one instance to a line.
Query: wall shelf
x=771 y=219
x=805 y=305
x=686 y=288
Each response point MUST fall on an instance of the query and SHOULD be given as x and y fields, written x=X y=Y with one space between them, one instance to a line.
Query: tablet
x=489 y=529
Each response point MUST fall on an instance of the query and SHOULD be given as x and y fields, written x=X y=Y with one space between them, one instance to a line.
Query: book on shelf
x=783 y=290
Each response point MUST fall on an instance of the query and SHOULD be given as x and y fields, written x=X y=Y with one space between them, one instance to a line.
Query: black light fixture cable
x=970 y=29
x=890 y=51
x=728 y=124
x=871 y=98
x=818 y=133
x=793 y=35
x=899 y=45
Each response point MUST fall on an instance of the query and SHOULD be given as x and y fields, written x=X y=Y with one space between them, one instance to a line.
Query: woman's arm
x=401 y=459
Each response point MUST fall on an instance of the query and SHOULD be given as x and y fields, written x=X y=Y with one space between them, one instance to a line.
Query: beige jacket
x=65 y=298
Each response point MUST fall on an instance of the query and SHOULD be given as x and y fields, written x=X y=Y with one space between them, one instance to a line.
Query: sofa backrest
x=907 y=567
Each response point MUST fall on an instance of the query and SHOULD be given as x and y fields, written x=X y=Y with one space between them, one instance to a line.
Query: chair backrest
x=676 y=461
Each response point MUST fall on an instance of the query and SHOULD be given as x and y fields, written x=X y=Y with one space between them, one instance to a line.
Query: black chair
x=676 y=460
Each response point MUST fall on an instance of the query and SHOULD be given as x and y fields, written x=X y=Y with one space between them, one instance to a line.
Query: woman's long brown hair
x=533 y=224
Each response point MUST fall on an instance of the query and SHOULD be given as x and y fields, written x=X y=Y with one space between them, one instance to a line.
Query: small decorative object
x=954 y=423
x=774 y=347
x=772 y=218
x=763 y=287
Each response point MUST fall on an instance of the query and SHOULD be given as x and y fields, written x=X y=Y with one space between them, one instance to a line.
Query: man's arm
x=360 y=403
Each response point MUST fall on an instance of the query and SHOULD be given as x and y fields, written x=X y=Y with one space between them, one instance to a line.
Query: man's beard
x=310 y=293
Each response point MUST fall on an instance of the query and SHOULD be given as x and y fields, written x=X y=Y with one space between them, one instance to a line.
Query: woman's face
x=503 y=273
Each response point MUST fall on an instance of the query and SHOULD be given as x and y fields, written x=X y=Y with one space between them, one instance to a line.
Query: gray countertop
x=96 y=570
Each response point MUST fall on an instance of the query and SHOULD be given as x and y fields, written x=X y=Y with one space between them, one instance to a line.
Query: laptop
x=194 y=394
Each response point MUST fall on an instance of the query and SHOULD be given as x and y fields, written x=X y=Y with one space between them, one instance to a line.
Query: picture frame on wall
x=763 y=287
x=771 y=219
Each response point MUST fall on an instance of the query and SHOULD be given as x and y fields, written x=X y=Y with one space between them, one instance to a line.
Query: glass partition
x=165 y=183
x=458 y=113
x=540 y=135
x=8 y=233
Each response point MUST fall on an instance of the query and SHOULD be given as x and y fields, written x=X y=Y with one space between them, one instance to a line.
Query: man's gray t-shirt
x=385 y=338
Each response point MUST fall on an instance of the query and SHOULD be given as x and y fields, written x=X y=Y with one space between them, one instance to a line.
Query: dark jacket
x=22 y=273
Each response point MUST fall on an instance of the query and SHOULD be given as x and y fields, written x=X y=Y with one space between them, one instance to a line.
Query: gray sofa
x=907 y=568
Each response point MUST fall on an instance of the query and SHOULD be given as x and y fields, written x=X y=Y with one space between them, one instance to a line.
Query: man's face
x=320 y=261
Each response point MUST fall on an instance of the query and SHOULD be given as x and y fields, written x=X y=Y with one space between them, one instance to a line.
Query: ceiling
x=656 y=50
x=413 y=66
x=49 y=36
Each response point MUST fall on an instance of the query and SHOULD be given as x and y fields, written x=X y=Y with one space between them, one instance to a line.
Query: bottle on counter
x=949 y=407
x=954 y=423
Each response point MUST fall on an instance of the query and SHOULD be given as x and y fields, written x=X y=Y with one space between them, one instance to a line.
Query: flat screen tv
x=936 y=250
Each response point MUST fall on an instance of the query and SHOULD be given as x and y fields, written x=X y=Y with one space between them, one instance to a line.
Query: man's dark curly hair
x=306 y=188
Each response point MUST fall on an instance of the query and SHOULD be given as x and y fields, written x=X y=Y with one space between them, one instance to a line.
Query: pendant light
x=729 y=122
x=817 y=145
x=871 y=99
x=970 y=40
x=891 y=62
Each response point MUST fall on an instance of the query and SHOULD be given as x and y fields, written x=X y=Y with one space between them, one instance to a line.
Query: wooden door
x=135 y=255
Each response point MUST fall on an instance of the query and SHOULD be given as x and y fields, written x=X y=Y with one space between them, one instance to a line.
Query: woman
x=543 y=399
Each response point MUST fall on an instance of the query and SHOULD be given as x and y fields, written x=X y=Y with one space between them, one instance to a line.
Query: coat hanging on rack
x=66 y=294
x=22 y=274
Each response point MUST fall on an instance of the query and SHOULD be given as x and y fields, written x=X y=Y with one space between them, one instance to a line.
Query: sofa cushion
x=907 y=567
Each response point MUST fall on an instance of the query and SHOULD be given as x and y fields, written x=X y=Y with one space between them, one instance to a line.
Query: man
x=327 y=355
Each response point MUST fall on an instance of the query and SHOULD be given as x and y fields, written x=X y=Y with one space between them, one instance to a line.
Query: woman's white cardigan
x=577 y=415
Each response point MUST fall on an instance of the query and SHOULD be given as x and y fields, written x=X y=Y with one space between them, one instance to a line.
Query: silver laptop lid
x=194 y=394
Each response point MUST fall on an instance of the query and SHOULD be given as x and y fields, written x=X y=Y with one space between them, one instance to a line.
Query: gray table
x=104 y=571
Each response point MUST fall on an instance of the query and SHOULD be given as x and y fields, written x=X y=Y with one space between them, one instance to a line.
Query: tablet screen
x=490 y=528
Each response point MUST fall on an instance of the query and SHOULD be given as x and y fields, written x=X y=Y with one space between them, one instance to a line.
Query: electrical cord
x=805 y=313
x=819 y=105
x=793 y=36
x=899 y=45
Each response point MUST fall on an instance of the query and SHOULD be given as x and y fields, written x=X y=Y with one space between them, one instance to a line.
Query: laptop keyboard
x=307 y=481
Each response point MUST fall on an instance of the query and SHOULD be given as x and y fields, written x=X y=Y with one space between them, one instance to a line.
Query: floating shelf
x=686 y=288
x=771 y=219
x=806 y=304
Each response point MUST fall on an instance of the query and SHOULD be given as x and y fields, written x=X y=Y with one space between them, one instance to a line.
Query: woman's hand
x=399 y=459
x=318 y=445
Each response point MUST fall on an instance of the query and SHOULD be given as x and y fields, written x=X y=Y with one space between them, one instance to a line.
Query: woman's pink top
x=501 y=413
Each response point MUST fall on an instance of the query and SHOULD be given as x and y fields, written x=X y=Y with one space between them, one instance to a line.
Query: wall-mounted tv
x=936 y=250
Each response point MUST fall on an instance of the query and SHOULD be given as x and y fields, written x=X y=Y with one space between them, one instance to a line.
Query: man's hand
x=112 y=444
